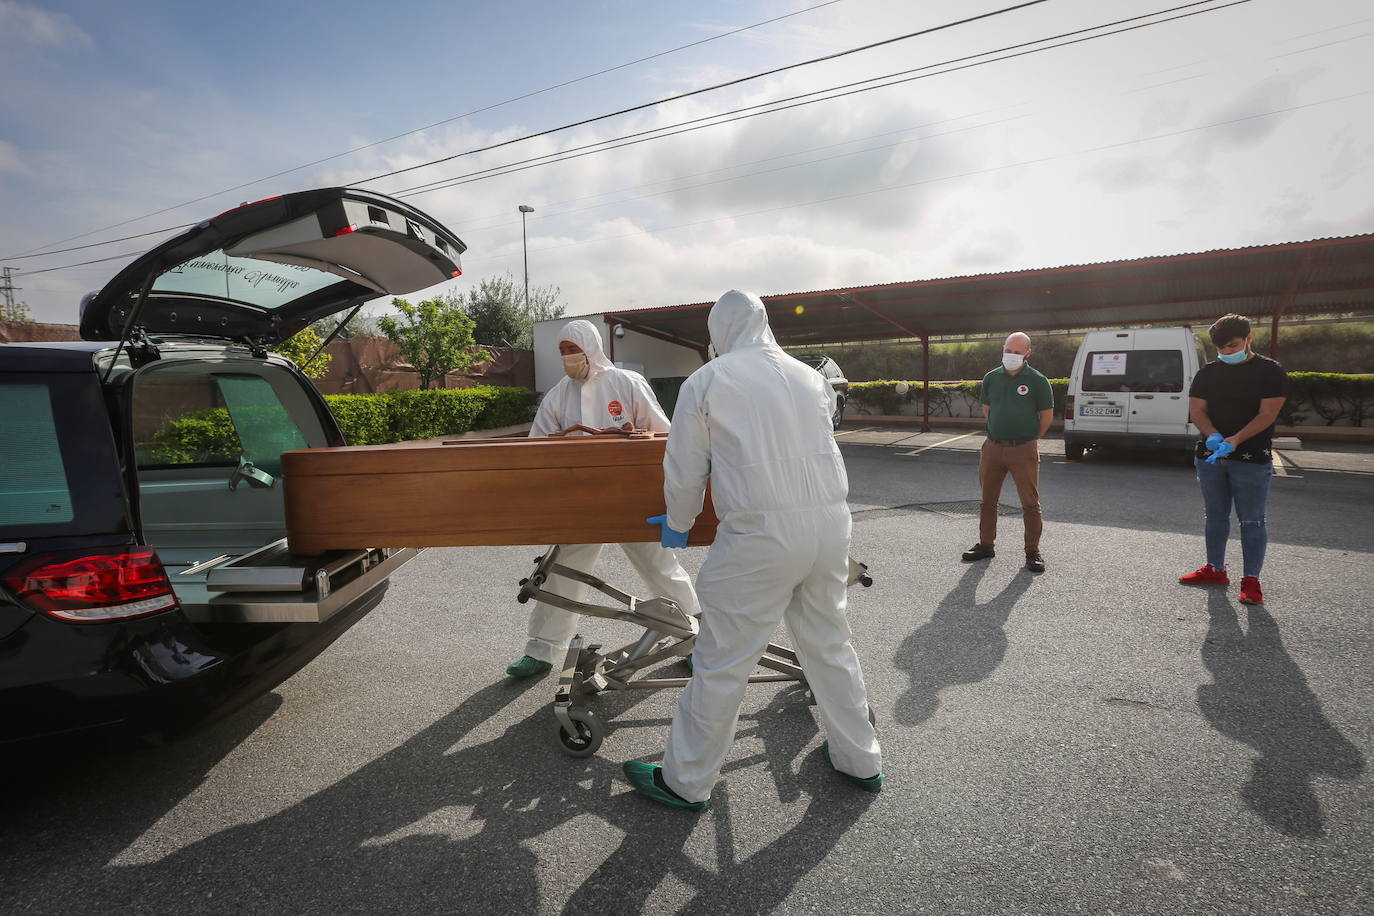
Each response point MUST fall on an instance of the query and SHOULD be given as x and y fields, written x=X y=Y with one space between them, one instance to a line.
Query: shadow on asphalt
x=435 y=825
x=1260 y=697
x=962 y=643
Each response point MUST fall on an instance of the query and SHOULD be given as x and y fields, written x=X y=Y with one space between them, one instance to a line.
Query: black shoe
x=979 y=552
x=1034 y=562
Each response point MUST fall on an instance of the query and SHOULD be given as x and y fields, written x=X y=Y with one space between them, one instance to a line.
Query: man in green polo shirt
x=1019 y=407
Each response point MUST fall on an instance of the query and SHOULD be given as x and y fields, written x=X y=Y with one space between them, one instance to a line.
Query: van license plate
x=1099 y=411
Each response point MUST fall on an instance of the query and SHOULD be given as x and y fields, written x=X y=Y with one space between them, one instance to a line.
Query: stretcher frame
x=669 y=632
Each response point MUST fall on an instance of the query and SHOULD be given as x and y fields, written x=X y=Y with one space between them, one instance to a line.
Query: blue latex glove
x=1213 y=441
x=668 y=537
x=1222 y=451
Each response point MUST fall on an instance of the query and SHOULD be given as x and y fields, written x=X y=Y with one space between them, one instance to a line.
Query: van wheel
x=1073 y=451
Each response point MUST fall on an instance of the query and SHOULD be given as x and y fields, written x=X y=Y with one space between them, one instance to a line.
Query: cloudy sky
x=1247 y=124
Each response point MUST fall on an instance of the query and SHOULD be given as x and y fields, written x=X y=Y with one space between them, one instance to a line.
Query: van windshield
x=1133 y=370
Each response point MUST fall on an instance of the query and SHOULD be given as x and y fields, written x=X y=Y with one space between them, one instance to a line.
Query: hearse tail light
x=345 y=231
x=112 y=585
x=1068 y=408
x=457 y=273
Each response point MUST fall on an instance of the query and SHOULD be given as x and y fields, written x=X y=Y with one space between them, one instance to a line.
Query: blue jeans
x=1247 y=486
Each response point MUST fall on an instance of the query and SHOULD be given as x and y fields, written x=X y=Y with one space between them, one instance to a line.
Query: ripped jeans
x=1247 y=486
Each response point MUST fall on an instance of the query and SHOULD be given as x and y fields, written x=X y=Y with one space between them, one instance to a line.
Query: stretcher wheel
x=590 y=732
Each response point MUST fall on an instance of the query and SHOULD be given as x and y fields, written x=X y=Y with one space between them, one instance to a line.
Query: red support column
x=925 y=382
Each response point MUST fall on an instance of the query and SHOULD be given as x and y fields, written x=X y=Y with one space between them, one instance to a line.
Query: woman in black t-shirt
x=1235 y=401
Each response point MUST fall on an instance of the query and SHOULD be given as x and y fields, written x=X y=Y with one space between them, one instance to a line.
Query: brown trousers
x=1023 y=462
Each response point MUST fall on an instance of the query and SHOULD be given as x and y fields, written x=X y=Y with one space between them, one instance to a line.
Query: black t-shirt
x=1233 y=395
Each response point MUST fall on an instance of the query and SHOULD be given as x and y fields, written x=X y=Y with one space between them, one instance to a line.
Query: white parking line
x=1280 y=468
x=918 y=451
x=862 y=429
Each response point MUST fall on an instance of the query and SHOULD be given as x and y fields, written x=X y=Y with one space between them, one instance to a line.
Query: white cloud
x=9 y=158
x=26 y=24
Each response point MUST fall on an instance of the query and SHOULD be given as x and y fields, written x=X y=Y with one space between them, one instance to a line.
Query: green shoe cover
x=641 y=776
x=526 y=666
x=871 y=784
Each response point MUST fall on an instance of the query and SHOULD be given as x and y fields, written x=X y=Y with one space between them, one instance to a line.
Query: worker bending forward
x=756 y=422
x=595 y=393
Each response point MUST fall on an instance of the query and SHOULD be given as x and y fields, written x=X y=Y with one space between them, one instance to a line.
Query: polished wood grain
x=579 y=490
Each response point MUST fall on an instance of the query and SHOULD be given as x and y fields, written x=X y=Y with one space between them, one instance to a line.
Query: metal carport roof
x=1322 y=276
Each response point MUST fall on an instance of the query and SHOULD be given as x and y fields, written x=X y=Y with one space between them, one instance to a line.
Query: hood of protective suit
x=739 y=320
x=585 y=335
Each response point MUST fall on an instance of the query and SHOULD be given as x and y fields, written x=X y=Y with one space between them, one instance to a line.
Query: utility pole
x=525 y=244
x=9 y=289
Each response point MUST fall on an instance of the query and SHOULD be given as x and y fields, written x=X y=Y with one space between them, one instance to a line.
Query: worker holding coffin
x=597 y=394
x=755 y=422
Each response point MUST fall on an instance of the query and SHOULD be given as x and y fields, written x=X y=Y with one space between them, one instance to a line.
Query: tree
x=299 y=347
x=501 y=319
x=19 y=311
x=435 y=336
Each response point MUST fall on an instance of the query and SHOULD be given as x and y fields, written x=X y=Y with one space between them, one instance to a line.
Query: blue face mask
x=1233 y=359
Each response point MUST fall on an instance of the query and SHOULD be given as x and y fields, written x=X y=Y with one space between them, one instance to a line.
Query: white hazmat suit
x=608 y=396
x=757 y=423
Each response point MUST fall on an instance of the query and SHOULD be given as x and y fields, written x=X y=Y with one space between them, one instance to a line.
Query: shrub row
x=1314 y=398
x=208 y=436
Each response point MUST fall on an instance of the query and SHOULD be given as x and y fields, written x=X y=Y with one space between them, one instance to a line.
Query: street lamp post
x=525 y=244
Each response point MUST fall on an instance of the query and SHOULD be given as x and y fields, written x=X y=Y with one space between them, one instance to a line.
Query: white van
x=1129 y=389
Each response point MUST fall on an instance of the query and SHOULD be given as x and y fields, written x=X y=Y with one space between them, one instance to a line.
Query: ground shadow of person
x=962 y=643
x=1260 y=697
x=442 y=823
x=436 y=824
x=654 y=846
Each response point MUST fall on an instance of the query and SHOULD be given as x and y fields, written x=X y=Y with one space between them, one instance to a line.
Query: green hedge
x=1314 y=398
x=1333 y=398
x=881 y=397
x=208 y=436
x=364 y=418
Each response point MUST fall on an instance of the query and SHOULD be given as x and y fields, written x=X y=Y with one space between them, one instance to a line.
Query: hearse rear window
x=1133 y=370
x=33 y=477
x=264 y=283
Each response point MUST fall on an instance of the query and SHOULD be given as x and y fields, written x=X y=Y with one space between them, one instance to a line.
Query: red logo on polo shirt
x=615 y=408
x=1022 y=389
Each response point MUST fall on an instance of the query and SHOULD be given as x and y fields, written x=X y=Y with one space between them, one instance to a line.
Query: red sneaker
x=1250 y=591
x=1209 y=575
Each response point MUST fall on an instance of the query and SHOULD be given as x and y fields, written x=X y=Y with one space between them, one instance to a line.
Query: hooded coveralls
x=608 y=396
x=757 y=423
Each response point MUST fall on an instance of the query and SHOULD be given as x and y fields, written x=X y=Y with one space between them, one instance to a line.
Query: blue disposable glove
x=1213 y=441
x=1224 y=449
x=668 y=537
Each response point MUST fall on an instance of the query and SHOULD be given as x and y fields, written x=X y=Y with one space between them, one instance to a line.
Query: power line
x=808 y=98
x=968 y=174
x=125 y=238
x=48 y=270
x=643 y=106
x=722 y=85
x=367 y=146
x=502 y=217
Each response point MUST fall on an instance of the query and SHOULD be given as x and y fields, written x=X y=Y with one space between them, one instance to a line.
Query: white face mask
x=576 y=365
x=1012 y=361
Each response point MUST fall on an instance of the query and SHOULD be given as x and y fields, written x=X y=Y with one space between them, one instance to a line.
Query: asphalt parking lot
x=1097 y=739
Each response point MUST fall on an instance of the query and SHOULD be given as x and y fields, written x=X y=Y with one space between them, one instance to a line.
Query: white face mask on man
x=576 y=365
x=1012 y=361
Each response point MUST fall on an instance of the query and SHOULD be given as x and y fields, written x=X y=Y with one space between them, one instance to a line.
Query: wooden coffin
x=579 y=490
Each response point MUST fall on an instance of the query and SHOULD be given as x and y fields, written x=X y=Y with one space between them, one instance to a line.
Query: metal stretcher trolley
x=669 y=633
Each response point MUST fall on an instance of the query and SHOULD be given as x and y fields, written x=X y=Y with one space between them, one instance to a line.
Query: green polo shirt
x=1015 y=402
